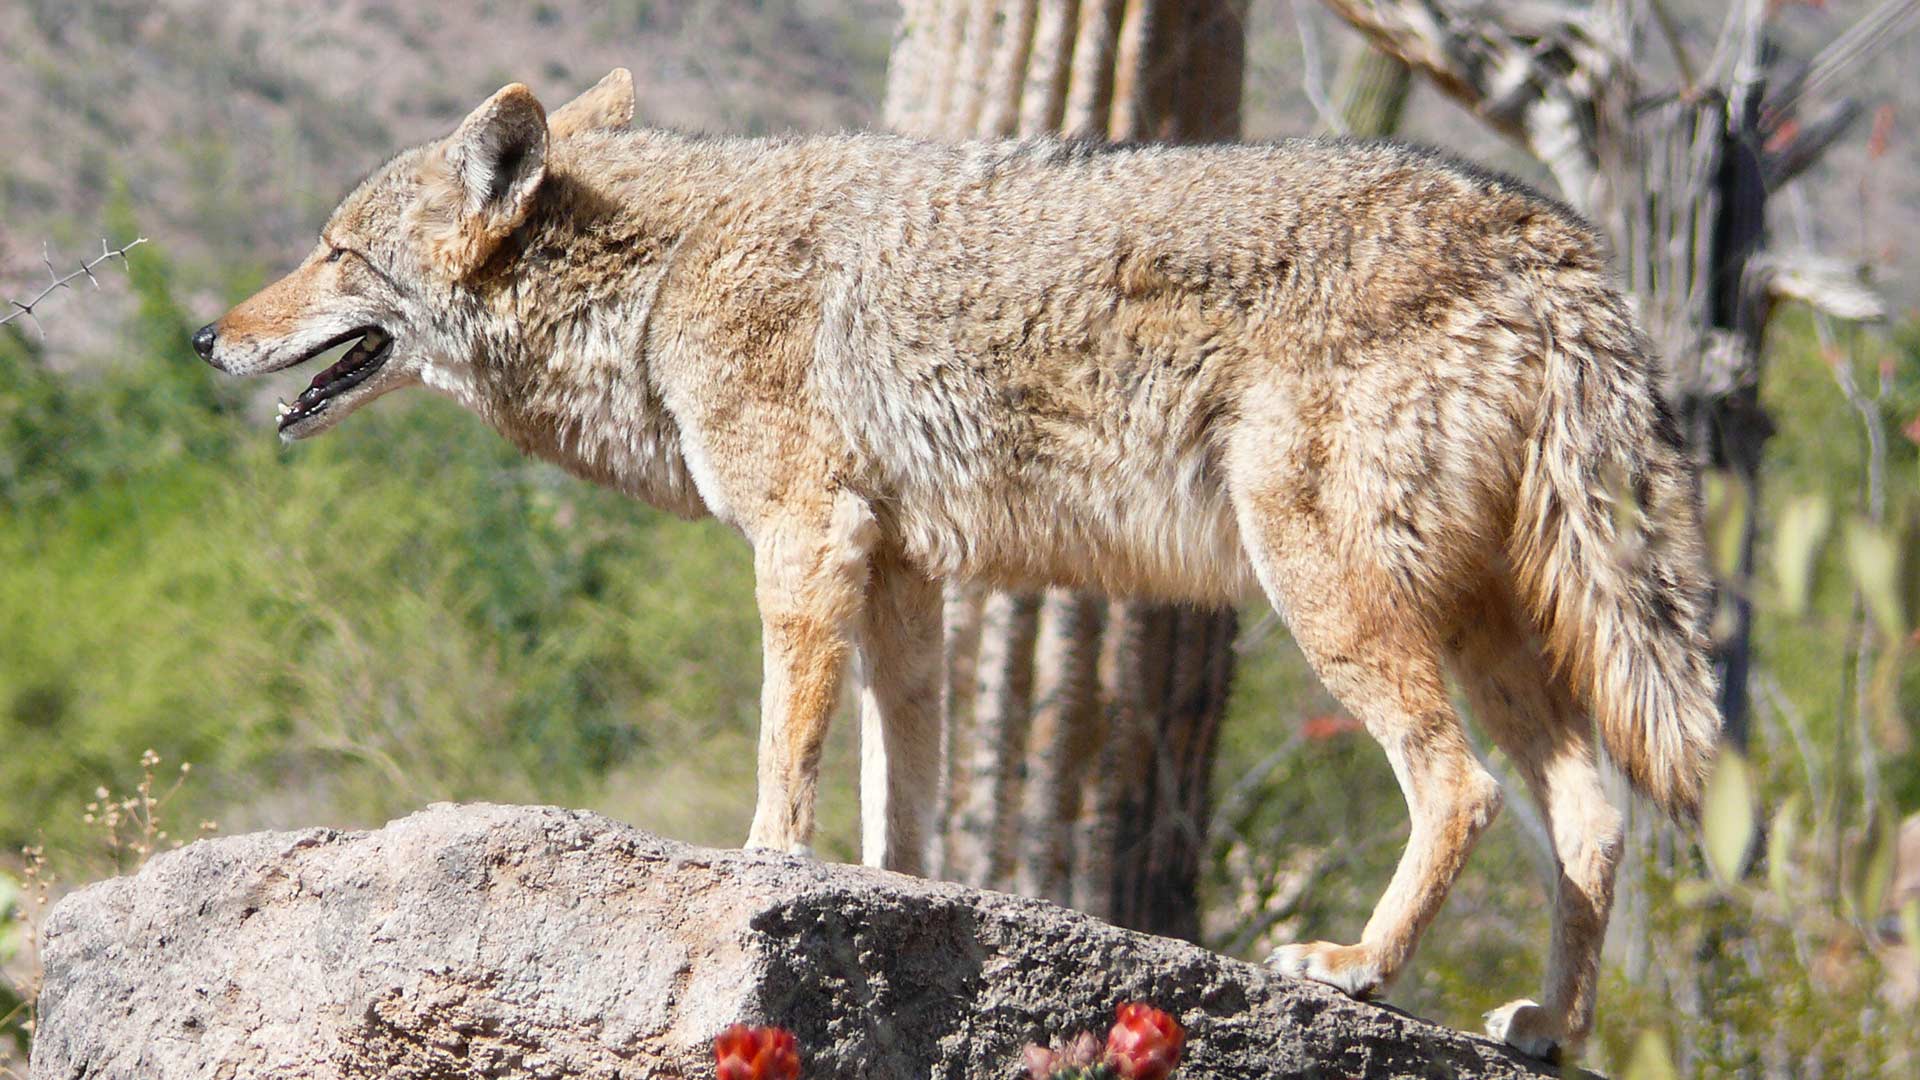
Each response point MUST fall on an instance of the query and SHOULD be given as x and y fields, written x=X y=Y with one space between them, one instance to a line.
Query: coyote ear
x=606 y=107
x=487 y=174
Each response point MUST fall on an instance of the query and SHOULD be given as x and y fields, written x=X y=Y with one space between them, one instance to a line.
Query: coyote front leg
x=810 y=574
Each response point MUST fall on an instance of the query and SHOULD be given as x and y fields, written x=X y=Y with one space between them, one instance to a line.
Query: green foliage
x=1776 y=980
x=1651 y=1059
x=1786 y=971
x=1728 y=819
x=20 y=900
x=1725 y=520
x=13 y=1033
x=1875 y=562
x=37 y=416
x=358 y=625
x=1804 y=523
x=1785 y=835
x=9 y=919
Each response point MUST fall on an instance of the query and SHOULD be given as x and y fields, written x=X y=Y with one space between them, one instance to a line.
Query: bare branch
x=1670 y=31
x=1875 y=31
x=1792 y=151
x=1370 y=90
x=1417 y=34
x=1534 y=75
x=57 y=281
x=1828 y=285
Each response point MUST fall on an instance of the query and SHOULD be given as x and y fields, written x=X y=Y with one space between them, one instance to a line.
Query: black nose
x=203 y=342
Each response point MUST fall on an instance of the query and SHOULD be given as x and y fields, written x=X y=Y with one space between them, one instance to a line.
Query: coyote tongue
x=342 y=375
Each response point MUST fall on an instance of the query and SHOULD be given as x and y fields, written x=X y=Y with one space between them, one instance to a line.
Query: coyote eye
x=336 y=254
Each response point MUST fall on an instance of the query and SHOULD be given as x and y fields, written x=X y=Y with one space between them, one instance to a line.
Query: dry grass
x=127 y=829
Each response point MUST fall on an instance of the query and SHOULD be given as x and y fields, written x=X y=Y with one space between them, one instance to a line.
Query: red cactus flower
x=1144 y=1043
x=756 y=1053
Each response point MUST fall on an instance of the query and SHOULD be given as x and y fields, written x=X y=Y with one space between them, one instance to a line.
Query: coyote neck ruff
x=1399 y=395
x=571 y=381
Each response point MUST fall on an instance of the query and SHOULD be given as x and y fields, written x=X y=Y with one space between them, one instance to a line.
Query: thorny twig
x=56 y=282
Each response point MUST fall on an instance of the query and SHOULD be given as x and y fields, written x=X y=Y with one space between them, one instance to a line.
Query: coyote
x=1399 y=395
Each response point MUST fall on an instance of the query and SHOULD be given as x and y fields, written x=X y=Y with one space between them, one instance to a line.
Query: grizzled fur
x=1401 y=397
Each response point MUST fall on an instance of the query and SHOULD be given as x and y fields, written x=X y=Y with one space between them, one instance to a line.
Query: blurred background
x=341 y=632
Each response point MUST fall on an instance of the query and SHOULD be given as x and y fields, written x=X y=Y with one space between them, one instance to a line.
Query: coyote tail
x=1606 y=543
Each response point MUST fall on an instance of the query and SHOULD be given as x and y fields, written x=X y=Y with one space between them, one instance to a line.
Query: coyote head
x=394 y=265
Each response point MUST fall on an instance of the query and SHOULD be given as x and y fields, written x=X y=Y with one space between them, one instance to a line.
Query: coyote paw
x=1525 y=1026
x=1351 y=969
x=804 y=851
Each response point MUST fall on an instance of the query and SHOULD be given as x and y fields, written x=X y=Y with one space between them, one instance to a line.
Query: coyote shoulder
x=1401 y=397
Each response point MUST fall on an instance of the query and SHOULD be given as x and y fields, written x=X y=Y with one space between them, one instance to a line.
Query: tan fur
x=1624 y=615
x=1398 y=395
x=606 y=107
x=1530 y=713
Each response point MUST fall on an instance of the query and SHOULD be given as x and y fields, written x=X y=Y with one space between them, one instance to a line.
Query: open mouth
x=361 y=361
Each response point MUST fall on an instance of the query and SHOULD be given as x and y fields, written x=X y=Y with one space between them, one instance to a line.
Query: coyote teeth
x=281 y=408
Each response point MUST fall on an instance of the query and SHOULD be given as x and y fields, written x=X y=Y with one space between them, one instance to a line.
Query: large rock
x=483 y=941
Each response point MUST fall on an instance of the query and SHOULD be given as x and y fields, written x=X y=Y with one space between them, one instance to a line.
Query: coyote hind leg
x=900 y=715
x=1530 y=714
x=1378 y=657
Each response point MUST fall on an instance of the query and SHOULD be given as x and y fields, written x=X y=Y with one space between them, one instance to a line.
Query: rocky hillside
x=226 y=131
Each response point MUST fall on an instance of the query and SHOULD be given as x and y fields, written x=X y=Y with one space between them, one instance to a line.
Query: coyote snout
x=318 y=307
x=1392 y=391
